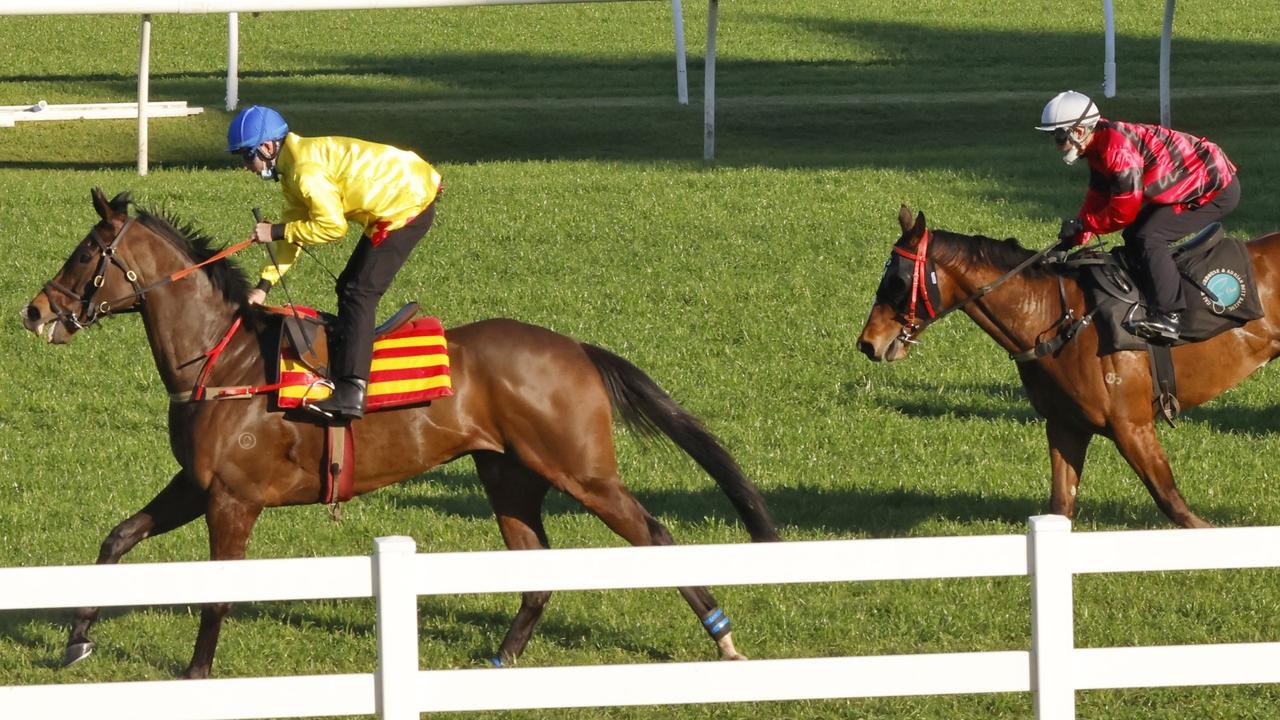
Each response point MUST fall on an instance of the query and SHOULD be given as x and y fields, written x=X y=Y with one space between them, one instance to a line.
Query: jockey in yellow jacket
x=328 y=181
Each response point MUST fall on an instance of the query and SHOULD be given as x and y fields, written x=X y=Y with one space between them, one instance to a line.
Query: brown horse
x=1079 y=393
x=533 y=408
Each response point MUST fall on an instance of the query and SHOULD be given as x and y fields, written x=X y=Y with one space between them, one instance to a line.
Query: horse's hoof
x=734 y=656
x=496 y=662
x=76 y=652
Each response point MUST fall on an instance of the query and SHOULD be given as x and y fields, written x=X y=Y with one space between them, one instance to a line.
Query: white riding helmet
x=1068 y=110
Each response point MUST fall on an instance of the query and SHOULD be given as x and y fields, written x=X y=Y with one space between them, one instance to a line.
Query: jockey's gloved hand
x=1071 y=232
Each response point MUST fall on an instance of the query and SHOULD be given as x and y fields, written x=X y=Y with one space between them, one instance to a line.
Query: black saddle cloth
x=1217 y=283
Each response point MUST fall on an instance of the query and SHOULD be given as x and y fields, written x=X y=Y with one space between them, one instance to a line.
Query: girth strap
x=1068 y=327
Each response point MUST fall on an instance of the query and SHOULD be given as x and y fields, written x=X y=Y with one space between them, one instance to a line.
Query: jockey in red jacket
x=1155 y=184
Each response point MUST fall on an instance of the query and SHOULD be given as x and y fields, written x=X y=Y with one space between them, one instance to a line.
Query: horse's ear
x=101 y=204
x=120 y=203
x=918 y=230
x=904 y=218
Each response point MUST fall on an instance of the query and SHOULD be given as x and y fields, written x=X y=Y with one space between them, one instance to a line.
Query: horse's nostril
x=33 y=313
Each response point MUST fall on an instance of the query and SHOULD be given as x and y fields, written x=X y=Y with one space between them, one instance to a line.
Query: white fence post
x=233 y=61
x=1052 y=618
x=144 y=90
x=682 y=76
x=393 y=586
x=1166 y=44
x=1109 y=49
x=709 y=84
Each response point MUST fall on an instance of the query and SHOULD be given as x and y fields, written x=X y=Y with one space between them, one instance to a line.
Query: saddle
x=305 y=330
x=1217 y=282
x=410 y=359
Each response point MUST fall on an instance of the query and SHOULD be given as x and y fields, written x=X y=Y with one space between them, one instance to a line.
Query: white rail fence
x=1052 y=669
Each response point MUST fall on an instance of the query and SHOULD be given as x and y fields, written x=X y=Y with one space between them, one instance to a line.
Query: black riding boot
x=346 y=402
x=1159 y=327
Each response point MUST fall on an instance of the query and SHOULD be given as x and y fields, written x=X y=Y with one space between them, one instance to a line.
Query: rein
x=108 y=256
x=176 y=276
x=1068 y=325
x=93 y=312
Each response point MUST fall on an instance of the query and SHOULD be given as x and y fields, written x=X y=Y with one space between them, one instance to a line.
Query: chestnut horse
x=1077 y=392
x=533 y=408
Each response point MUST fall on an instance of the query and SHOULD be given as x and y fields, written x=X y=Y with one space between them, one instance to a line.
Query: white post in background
x=1109 y=53
x=709 y=89
x=393 y=586
x=682 y=74
x=1052 y=618
x=233 y=60
x=144 y=91
x=1166 y=41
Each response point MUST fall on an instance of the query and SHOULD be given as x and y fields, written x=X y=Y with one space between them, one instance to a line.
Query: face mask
x=269 y=171
x=1072 y=154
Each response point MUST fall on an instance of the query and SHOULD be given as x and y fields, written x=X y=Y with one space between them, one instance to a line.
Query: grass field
x=577 y=200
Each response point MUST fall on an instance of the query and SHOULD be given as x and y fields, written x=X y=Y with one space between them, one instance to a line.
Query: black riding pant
x=1147 y=240
x=367 y=276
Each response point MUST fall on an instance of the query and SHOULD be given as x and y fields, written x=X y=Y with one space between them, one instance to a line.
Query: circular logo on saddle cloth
x=1227 y=286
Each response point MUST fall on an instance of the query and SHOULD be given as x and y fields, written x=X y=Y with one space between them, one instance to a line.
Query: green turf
x=739 y=285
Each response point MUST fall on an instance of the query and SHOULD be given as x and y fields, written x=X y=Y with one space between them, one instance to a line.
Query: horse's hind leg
x=1138 y=444
x=516 y=494
x=180 y=502
x=609 y=500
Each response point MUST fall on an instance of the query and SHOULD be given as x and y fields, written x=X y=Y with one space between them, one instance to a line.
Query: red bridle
x=919 y=280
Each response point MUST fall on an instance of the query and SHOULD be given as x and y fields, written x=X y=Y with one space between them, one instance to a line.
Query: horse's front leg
x=230 y=521
x=1141 y=448
x=180 y=502
x=1067 y=449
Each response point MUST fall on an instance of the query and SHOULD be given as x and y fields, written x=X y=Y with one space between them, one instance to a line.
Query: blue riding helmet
x=253 y=126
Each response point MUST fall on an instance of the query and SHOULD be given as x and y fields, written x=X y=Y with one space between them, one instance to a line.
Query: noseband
x=91 y=311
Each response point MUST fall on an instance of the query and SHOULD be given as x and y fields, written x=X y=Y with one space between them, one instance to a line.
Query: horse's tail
x=648 y=409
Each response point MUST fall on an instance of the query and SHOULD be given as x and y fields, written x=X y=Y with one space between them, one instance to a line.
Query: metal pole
x=709 y=91
x=233 y=60
x=1109 y=53
x=144 y=91
x=682 y=75
x=1166 y=41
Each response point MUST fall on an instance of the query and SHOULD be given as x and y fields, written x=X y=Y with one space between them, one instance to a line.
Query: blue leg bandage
x=716 y=623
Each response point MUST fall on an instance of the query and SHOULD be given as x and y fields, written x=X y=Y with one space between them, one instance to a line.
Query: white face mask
x=268 y=172
x=1075 y=146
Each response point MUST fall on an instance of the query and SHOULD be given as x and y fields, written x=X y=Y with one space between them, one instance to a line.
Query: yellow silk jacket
x=330 y=180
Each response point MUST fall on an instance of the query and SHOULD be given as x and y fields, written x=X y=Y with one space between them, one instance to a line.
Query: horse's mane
x=1004 y=255
x=225 y=276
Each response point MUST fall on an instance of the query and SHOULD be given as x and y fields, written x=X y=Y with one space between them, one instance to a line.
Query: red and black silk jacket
x=1131 y=164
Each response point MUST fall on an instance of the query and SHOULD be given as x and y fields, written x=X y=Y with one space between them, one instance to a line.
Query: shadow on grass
x=846 y=512
x=968 y=400
x=1004 y=401
x=1235 y=419
x=903 y=64
x=27 y=630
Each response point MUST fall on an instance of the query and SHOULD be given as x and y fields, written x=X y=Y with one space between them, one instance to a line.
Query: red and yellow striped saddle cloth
x=410 y=367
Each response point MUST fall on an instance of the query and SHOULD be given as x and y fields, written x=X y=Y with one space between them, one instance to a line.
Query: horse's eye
x=84 y=258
